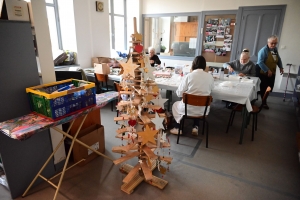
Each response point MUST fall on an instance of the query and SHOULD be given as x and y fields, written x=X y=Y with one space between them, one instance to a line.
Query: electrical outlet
x=94 y=146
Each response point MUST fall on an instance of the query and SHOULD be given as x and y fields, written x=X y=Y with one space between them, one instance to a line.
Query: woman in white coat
x=198 y=82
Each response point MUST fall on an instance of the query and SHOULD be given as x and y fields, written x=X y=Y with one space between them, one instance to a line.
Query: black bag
x=71 y=58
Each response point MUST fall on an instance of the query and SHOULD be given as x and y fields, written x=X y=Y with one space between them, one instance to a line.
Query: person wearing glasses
x=242 y=67
x=268 y=59
x=154 y=59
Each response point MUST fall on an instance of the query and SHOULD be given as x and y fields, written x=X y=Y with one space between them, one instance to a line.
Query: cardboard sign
x=102 y=68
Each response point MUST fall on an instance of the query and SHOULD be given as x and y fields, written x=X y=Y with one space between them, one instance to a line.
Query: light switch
x=283 y=47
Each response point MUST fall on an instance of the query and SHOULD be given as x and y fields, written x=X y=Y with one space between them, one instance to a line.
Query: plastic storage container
x=49 y=101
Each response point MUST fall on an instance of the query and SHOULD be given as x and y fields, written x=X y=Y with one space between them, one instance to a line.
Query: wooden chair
x=100 y=80
x=254 y=112
x=101 y=83
x=195 y=100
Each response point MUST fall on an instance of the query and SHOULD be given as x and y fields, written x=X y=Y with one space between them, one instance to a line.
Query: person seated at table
x=154 y=59
x=243 y=67
x=198 y=82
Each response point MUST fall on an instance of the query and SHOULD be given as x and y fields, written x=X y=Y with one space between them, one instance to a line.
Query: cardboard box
x=100 y=60
x=93 y=136
x=102 y=68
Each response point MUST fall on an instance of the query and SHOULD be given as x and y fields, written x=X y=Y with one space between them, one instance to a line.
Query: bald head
x=244 y=58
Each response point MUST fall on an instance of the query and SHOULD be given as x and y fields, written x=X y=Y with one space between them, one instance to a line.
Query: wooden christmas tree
x=141 y=121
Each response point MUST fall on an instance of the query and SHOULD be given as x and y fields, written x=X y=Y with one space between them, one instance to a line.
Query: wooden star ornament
x=148 y=135
x=129 y=68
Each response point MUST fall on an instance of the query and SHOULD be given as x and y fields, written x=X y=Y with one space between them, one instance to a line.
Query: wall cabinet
x=185 y=30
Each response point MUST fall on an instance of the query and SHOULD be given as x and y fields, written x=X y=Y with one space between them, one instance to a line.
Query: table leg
x=245 y=113
x=169 y=96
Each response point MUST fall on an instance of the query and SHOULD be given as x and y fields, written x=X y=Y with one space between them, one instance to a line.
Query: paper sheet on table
x=246 y=81
x=234 y=78
x=226 y=84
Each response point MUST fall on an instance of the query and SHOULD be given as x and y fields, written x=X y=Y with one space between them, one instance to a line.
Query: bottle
x=222 y=74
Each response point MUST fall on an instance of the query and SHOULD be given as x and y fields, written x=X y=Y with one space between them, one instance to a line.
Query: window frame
x=57 y=21
x=198 y=45
x=112 y=23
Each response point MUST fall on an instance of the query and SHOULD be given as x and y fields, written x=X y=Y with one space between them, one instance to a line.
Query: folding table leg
x=43 y=167
x=68 y=156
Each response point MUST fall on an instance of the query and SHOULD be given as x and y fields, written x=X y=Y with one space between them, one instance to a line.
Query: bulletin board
x=218 y=35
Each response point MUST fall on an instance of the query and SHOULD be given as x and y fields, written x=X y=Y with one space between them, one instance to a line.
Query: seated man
x=198 y=82
x=154 y=59
x=243 y=67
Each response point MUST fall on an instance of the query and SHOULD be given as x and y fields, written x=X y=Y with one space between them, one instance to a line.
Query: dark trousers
x=266 y=82
x=196 y=123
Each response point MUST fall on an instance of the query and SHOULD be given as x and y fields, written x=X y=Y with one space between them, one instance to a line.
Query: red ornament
x=132 y=122
x=160 y=110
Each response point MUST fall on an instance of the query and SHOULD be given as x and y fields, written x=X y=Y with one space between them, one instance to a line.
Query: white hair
x=272 y=37
x=151 y=49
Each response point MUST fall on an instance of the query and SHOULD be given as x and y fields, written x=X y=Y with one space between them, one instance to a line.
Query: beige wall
x=289 y=42
x=92 y=31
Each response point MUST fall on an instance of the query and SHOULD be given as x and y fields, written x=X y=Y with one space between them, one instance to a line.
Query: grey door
x=256 y=24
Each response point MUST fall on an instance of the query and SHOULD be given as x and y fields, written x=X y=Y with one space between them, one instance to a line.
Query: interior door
x=256 y=25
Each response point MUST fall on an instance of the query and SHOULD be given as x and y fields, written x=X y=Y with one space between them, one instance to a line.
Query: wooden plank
x=121 y=118
x=124 y=149
x=127 y=157
x=132 y=173
x=146 y=170
x=149 y=153
x=129 y=187
x=123 y=130
x=158 y=182
x=145 y=119
x=166 y=159
x=125 y=92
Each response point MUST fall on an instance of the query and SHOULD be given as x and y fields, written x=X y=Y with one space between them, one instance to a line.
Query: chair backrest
x=195 y=100
x=257 y=70
x=118 y=87
x=101 y=77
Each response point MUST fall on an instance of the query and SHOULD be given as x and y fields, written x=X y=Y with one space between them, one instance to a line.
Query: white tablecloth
x=239 y=92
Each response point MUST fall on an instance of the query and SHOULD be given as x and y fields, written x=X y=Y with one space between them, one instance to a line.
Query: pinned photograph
x=228 y=37
x=220 y=32
x=210 y=39
x=227 y=31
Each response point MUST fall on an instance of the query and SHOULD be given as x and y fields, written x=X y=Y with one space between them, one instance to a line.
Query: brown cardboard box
x=99 y=60
x=102 y=68
x=93 y=136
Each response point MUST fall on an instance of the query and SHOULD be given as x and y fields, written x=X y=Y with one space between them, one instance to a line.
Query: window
x=118 y=25
x=172 y=35
x=54 y=26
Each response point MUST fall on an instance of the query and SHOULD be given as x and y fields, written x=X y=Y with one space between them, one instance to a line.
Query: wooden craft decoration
x=141 y=130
